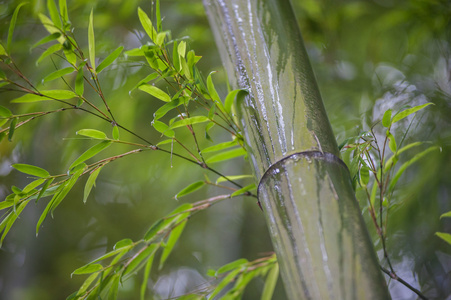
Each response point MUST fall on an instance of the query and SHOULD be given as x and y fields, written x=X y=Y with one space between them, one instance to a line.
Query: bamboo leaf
x=145 y=80
x=44 y=188
x=12 y=128
x=163 y=128
x=63 y=11
x=12 y=25
x=163 y=110
x=270 y=283
x=220 y=146
x=231 y=97
x=79 y=80
x=90 y=153
x=446 y=215
x=137 y=262
x=407 y=164
x=91 y=41
x=181 y=49
x=115 y=132
x=226 y=281
x=147 y=24
x=244 y=190
x=92 y=133
x=235 y=177
x=147 y=270
x=50 y=50
x=213 y=93
x=401 y=115
x=226 y=155
x=444 y=236
x=392 y=142
x=179 y=213
x=190 y=188
x=189 y=121
x=90 y=183
x=54 y=14
x=394 y=158
x=232 y=265
x=172 y=240
x=4 y=112
x=8 y=222
x=109 y=59
x=45 y=96
x=386 y=119
x=58 y=74
x=2 y=50
x=88 y=269
x=66 y=189
x=123 y=244
x=47 y=39
x=31 y=170
x=154 y=91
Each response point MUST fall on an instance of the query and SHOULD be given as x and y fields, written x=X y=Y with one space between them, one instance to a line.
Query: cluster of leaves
x=195 y=102
x=377 y=172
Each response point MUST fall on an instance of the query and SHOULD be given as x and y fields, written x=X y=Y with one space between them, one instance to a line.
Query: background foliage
x=368 y=56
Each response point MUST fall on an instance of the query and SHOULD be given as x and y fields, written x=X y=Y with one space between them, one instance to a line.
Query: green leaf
x=154 y=229
x=12 y=25
x=235 y=177
x=145 y=80
x=220 y=146
x=79 y=80
x=407 y=164
x=63 y=11
x=58 y=198
x=109 y=59
x=373 y=194
x=88 y=269
x=8 y=221
x=444 y=236
x=163 y=128
x=115 y=132
x=394 y=158
x=90 y=153
x=189 y=121
x=147 y=270
x=364 y=176
x=137 y=261
x=160 y=38
x=446 y=215
x=47 y=39
x=173 y=238
x=154 y=91
x=58 y=74
x=91 y=41
x=226 y=155
x=123 y=243
x=232 y=265
x=12 y=128
x=163 y=110
x=31 y=170
x=270 y=283
x=213 y=93
x=225 y=282
x=175 y=57
x=4 y=112
x=50 y=50
x=45 y=96
x=147 y=24
x=392 y=142
x=92 y=133
x=190 y=188
x=181 y=49
x=231 y=97
x=54 y=14
x=386 y=119
x=401 y=115
x=90 y=183
x=244 y=190
x=2 y=50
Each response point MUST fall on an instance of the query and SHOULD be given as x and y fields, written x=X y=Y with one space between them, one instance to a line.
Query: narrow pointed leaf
x=50 y=50
x=228 y=103
x=92 y=133
x=444 y=236
x=154 y=91
x=163 y=128
x=220 y=146
x=63 y=10
x=244 y=190
x=88 y=269
x=2 y=50
x=54 y=14
x=401 y=115
x=172 y=240
x=79 y=81
x=226 y=155
x=147 y=24
x=232 y=265
x=190 y=188
x=386 y=119
x=163 y=110
x=90 y=153
x=147 y=270
x=4 y=112
x=31 y=170
x=49 y=38
x=189 y=121
x=12 y=25
x=137 y=261
x=91 y=41
x=236 y=177
x=446 y=215
x=224 y=282
x=270 y=283
x=181 y=49
x=109 y=59
x=8 y=222
x=12 y=128
x=90 y=183
x=45 y=96
x=58 y=74
x=213 y=93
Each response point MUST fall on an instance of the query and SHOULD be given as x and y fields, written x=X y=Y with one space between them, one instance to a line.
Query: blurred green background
x=368 y=56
